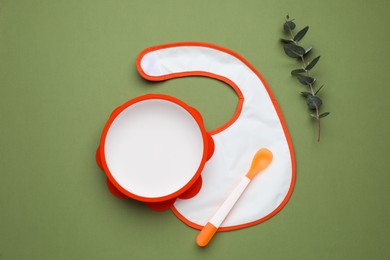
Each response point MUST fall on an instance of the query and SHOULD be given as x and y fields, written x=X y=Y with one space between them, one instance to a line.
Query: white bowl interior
x=153 y=148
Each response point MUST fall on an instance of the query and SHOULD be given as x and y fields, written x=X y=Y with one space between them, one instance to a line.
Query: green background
x=64 y=65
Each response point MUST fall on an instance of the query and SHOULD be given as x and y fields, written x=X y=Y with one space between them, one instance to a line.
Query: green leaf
x=308 y=50
x=324 y=114
x=288 y=26
x=305 y=94
x=286 y=41
x=297 y=71
x=305 y=80
x=312 y=63
x=313 y=102
x=301 y=34
x=318 y=90
x=293 y=50
x=313 y=115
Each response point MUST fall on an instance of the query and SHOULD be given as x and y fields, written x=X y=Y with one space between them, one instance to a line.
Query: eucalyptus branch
x=293 y=49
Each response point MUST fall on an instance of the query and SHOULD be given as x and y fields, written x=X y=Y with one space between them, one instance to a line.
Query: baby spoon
x=261 y=160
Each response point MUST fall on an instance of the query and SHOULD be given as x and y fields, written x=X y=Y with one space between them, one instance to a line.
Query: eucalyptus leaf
x=307 y=50
x=318 y=90
x=297 y=71
x=305 y=80
x=312 y=63
x=313 y=102
x=305 y=93
x=293 y=50
x=286 y=41
x=301 y=34
x=324 y=114
x=288 y=26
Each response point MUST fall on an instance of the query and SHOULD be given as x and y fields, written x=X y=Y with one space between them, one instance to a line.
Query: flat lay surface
x=66 y=65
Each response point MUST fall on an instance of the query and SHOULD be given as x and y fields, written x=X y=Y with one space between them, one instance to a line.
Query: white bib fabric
x=257 y=123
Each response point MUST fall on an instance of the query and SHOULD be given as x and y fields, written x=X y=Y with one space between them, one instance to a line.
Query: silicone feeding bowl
x=153 y=149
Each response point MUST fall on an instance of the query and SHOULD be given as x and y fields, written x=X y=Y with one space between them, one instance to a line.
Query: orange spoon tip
x=261 y=160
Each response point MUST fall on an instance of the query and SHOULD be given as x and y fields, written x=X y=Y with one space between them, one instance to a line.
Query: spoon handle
x=211 y=227
x=260 y=161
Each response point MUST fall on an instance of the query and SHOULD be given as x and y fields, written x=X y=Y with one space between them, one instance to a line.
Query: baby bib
x=257 y=123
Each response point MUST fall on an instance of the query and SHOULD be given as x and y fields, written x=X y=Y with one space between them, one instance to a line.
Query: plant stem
x=311 y=87
x=291 y=33
x=304 y=64
x=318 y=125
